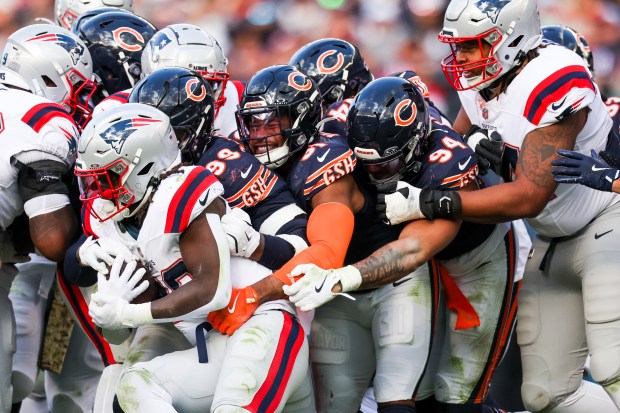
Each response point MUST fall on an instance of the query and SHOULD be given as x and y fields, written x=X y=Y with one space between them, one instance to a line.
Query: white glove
x=109 y=306
x=97 y=253
x=315 y=287
x=243 y=239
x=8 y=255
x=402 y=204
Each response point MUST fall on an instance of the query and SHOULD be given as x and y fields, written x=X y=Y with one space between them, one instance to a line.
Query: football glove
x=576 y=168
x=99 y=253
x=243 y=239
x=315 y=287
x=488 y=146
x=243 y=303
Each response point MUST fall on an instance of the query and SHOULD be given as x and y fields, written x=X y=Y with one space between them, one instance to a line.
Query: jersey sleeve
x=450 y=165
x=559 y=95
x=199 y=188
x=338 y=112
x=323 y=164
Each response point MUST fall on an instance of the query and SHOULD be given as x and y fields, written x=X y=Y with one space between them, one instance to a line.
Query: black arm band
x=45 y=177
x=440 y=204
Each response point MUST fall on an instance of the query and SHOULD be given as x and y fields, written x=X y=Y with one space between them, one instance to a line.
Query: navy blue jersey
x=450 y=165
x=256 y=189
x=326 y=160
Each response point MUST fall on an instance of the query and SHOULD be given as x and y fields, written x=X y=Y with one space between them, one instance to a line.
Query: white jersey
x=32 y=129
x=225 y=122
x=549 y=88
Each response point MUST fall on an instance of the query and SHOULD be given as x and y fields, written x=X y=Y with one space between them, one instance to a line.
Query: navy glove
x=576 y=168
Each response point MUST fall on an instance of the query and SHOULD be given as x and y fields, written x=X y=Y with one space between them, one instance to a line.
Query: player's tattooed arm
x=54 y=232
x=533 y=186
x=418 y=242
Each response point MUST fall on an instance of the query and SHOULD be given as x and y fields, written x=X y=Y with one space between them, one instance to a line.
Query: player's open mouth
x=259 y=149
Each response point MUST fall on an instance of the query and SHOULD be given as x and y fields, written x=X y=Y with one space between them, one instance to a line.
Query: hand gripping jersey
x=450 y=165
x=32 y=129
x=550 y=87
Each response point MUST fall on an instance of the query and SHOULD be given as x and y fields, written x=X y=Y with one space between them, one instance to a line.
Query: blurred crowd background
x=391 y=34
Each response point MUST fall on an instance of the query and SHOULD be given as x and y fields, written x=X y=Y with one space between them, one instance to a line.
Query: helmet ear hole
x=146 y=169
x=48 y=82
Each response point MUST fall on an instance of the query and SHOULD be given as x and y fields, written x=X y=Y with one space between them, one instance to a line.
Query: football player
x=543 y=95
x=477 y=267
x=51 y=62
x=182 y=252
x=278 y=118
x=45 y=73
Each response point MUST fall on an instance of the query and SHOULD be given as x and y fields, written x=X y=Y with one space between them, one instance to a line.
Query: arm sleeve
x=75 y=274
x=330 y=228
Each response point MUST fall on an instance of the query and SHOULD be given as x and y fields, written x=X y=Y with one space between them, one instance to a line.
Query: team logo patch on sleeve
x=117 y=134
x=68 y=43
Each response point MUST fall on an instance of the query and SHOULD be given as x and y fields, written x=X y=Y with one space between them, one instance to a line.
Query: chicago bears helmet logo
x=65 y=41
x=400 y=108
x=190 y=90
x=129 y=33
x=294 y=77
x=323 y=68
x=492 y=8
x=117 y=133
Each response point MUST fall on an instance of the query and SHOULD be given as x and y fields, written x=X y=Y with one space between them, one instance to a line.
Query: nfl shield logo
x=485 y=113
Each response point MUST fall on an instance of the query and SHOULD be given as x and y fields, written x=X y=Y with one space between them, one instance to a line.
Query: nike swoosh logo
x=595 y=169
x=232 y=309
x=597 y=236
x=397 y=283
x=203 y=201
x=320 y=287
x=556 y=107
x=322 y=158
x=247 y=172
x=462 y=166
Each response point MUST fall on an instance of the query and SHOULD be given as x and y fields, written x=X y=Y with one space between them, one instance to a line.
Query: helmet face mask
x=388 y=127
x=484 y=70
x=278 y=114
x=188 y=46
x=186 y=98
x=121 y=154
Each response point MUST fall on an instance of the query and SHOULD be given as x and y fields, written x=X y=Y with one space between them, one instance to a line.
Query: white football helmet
x=511 y=27
x=121 y=154
x=52 y=62
x=188 y=46
x=66 y=11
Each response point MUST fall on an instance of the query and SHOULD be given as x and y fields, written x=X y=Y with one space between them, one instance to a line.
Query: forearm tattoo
x=386 y=264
